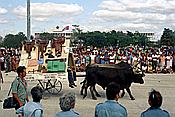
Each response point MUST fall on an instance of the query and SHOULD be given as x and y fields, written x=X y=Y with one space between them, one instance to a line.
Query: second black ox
x=102 y=74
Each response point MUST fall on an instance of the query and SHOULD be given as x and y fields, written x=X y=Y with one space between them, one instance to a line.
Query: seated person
x=44 y=70
x=149 y=70
x=67 y=104
x=158 y=69
x=49 y=54
x=155 y=102
x=164 y=70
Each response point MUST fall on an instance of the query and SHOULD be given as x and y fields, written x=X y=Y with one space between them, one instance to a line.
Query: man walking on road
x=19 y=87
x=1 y=81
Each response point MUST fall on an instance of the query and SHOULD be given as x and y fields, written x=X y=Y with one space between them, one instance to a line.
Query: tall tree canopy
x=168 y=38
x=14 y=41
x=46 y=36
x=112 y=38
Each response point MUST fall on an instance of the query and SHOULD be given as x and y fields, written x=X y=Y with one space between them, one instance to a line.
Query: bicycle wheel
x=54 y=87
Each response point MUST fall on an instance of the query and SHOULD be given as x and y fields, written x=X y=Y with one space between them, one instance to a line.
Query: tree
x=47 y=36
x=14 y=41
x=168 y=38
x=112 y=38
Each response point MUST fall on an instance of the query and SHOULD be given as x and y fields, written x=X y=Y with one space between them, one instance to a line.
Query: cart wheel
x=55 y=87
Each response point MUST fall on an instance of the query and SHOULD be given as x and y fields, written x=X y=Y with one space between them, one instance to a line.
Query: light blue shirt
x=31 y=109
x=110 y=108
x=70 y=113
x=155 y=112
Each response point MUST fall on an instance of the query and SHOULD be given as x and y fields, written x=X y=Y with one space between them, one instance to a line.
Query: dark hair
x=37 y=93
x=112 y=90
x=155 y=98
x=20 y=69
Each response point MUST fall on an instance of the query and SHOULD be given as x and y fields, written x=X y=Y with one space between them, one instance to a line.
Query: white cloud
x=44 y=11
x=132 y=26
x=112 y=5
x=3 y=21
x=136 y=14
x=3 y=11
x=127 y=15
x=124 y=27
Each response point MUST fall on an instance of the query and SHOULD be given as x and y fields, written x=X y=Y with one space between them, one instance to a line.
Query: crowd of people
x=9 y=59
x=150 y=60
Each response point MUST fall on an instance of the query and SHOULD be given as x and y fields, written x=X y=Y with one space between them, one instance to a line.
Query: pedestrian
x=74 y=73
x=32 y=108
x=111 y=107
x=19 y=87
x=67 y=104
x=155 y=101
x=70 y=78
x=1 y=81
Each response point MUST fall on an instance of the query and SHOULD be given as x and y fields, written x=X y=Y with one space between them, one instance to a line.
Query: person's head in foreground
x=112 y=91
x=155 y=99
x=37 y=93
x=67 y=101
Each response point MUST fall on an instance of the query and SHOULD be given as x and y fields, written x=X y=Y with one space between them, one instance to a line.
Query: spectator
x=44 y=69
x=71 y=78
x=67 y=104
x=19 y=87
x=155 y=101
x=33 y=108
x=111 y=107
x=1 y=81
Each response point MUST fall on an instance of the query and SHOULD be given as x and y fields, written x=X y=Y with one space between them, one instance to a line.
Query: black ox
x=103 y=74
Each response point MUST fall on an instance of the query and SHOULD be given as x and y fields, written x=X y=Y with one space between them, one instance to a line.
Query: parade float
x=46 y=61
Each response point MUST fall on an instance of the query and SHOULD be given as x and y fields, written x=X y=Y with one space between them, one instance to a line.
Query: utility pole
x=29 y=46
x=28 y=20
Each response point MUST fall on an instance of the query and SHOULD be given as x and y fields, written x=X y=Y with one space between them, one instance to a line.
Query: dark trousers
x=70 y=77
x=154 y=65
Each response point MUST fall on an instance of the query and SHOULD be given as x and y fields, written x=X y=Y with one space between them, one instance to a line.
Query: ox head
x=138 y=75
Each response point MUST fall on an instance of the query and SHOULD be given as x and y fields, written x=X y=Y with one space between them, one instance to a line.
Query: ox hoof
x=84 y=97
x=98 y=95
x=94 y=98
x=132 y=98
x=122 y=95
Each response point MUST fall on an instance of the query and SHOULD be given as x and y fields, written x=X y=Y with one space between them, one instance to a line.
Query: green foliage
x=113 y=38
x=14 y=41
x=46 y=36
x=168 y=37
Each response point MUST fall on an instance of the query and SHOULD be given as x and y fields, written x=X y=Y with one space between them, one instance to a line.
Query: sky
x=93 y=15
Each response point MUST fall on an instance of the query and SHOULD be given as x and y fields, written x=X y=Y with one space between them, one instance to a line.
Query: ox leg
x=85 y=92
x=123 y=93
x=129 y=92
x=92 y=92
x=82 y=89
x=97 y=94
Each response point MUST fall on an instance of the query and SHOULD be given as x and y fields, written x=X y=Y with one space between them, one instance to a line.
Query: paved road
x=162 y=82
